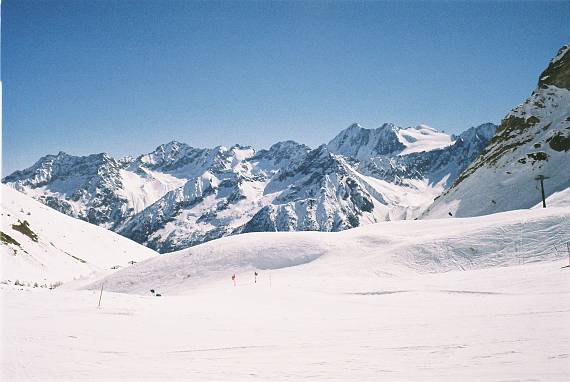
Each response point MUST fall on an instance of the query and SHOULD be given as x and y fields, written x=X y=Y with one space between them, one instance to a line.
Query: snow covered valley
x=482 y=299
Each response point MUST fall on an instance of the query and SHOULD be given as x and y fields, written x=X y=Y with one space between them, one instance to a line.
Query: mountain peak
x=359 y=142
x=484 y=131
x=423 y=126
x=354 y=126
x=558 y=71
x=173 y=145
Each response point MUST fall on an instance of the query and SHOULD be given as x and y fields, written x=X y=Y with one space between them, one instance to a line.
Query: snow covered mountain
x=533 y=139
x=40 y=245
x=178 y=196
x=360 y=143
x=96 y=188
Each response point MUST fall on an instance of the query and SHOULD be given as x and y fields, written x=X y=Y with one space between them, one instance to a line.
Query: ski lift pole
x=541 y=178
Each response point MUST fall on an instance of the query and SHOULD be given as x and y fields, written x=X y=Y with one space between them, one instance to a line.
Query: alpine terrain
x=391 y=253
x=533 y=140
x=178 y=196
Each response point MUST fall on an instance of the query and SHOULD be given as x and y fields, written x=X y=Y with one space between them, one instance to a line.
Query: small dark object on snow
x=450 y=214
x=152 y=291
x=158 y=295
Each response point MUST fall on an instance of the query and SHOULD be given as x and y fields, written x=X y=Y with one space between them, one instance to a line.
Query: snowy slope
x=422 y=138
x=494 y=324
x=386 y=249
x=42 y=245
x=532 y=140
x=557 y=199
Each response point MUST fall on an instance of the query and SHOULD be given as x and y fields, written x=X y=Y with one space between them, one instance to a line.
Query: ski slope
x=474 y=299
x=387 y=249
x=56 y=247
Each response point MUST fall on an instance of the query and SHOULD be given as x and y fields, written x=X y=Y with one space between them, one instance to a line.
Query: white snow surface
x=474 y=299
x=423 y=138
x=386 y=249
x=557 y=199
x=66 y=248
x=142 y=191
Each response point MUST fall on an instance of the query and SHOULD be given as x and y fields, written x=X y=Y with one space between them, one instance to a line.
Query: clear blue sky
x=125 y=76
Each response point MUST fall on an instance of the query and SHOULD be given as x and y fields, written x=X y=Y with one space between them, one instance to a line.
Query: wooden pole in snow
x=100 y=295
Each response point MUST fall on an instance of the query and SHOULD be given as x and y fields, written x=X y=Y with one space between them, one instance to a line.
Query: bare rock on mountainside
x=532 y=140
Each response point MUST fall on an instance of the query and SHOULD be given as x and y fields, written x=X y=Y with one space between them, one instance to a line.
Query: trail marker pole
x=100 y=295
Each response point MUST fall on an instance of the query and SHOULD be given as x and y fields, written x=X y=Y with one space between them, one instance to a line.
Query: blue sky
x=125 y=76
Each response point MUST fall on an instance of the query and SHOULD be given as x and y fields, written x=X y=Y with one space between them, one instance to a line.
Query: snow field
x=474 y=299
x=493 y=324
x=387 y=249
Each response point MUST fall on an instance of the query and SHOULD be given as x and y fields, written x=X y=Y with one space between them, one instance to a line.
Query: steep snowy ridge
x=44 y=246
x=533 y=140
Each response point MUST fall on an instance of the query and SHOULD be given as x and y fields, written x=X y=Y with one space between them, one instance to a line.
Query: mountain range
x=178 y=196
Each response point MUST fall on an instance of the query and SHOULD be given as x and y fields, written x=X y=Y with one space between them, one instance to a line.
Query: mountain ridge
x=178 y=195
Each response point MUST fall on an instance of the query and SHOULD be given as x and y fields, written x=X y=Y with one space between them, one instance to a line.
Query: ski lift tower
x=541 y=178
